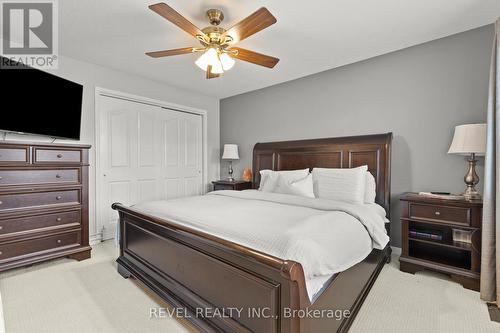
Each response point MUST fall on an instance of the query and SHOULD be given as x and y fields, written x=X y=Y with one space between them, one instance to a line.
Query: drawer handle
x=1 y=253
x=58 y=176
x=59 y=241
x=58 y=197
x=1 y=202
x=59 y=155
x=1 y=227
x=59 y=219
x=1 y=177
x=437 y=213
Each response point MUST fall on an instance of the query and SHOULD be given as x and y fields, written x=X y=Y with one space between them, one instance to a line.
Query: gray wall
x=419 y=94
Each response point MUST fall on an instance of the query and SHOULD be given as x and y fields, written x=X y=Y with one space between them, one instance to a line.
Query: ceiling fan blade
x=254 y=23
x=211 y=75
x=254 y=57
x=168 y=53
x=173 y=16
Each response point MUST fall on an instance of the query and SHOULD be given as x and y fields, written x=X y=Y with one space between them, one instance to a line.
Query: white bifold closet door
x=145 y=153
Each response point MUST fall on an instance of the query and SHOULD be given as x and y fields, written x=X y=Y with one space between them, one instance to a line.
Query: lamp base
x=471 y=179
x=471 y=193
x=230 y=172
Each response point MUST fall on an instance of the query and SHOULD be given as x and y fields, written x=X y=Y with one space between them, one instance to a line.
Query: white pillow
x=302 y=187
x=269 y=178
x=340 y=184
x=370 y=188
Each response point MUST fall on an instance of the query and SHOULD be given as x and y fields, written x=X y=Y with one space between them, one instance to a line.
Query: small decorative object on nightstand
x=442 y=235
x=230 y=153
x=236 y=185
x=247 y=175
x=470 y=140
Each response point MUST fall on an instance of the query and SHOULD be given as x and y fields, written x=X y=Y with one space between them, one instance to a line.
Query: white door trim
x=140 y=99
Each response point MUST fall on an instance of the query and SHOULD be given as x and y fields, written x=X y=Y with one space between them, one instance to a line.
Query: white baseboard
x=98 y=238
x=109 y=232
x=396 y=250
x=105 y=234
x=95 y=239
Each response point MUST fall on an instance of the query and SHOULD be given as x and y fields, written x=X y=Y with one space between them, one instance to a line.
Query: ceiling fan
x=217 y=43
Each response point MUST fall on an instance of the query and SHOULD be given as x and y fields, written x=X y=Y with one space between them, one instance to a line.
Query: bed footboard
x=221 y=286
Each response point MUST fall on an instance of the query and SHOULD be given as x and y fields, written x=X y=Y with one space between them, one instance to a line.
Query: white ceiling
x=309 y=37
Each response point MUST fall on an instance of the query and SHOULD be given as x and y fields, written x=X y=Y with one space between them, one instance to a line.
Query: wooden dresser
x=428 y=226
x=43 y=202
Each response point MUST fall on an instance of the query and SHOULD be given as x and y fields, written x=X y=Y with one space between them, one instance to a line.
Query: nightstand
x=430 y=229
x=236 y=185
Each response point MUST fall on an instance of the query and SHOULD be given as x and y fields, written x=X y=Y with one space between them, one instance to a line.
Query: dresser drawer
x=35 y=223
x=33 y=177
x=32 y=246
x=10 y=155
x=448 y=214
x=220 y=187
x=235 y=185
x=31 y=200
x=57 y=156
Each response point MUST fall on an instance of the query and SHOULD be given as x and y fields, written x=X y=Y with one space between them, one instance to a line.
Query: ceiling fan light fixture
x=205 y=59
x=227 y=61
x=210 y=58
x=217 y=67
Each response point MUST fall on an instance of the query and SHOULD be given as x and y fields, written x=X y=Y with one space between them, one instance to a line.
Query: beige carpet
x=90 y=296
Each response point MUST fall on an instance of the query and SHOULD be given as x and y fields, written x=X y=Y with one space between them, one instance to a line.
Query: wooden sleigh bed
x=192 y=270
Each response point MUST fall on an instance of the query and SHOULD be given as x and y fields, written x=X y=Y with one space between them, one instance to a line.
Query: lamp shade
x=230 y=152
x=468 y=139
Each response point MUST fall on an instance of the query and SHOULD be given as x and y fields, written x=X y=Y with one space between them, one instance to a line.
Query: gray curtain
x=490 y=252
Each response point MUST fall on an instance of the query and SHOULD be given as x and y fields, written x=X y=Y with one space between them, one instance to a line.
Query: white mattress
x=324 y=236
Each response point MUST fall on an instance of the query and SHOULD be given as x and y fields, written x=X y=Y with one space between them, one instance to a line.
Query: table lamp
x=230 y=153
x=470 y=140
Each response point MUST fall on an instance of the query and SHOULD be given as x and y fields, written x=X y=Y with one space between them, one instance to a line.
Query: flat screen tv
x=36 y=102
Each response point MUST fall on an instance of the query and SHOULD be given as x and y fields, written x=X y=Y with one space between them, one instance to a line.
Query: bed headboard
x=343 y=152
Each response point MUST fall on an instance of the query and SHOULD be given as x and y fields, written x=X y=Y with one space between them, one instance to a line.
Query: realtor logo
x=29 y=33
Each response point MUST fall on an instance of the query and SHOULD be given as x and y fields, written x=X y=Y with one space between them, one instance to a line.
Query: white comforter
x=324 y=236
